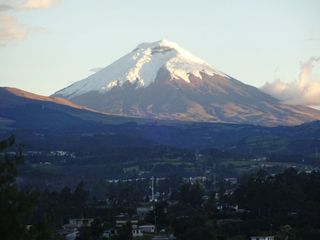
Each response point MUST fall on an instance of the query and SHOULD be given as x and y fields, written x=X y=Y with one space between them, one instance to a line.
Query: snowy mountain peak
x=166 y=46
x=159 y=44
x=141 y=67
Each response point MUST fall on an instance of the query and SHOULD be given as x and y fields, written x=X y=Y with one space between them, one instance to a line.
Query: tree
x=286 y=233
x=84 y=234
x=191 y=194
x=96 y=229
x=125 y=232
x=80 y=198
x=41 y=230
x=15 y=205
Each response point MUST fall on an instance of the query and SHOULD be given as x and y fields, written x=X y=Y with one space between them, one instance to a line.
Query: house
x=262 y=238
x=72 y=235
x=80 y=222
x=164 y=237
x=123 y=219
x=110 y=233
x=76 y=223
x=231 y=180
x=142 y=211
x=160 y=238
x=137 y=232
x=149 y=228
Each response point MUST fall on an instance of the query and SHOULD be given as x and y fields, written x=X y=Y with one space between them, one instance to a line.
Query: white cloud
x=36 y=4
x=10 y=28
x=304 y=91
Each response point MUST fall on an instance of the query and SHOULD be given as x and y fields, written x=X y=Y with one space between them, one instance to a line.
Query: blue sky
x=45 y=45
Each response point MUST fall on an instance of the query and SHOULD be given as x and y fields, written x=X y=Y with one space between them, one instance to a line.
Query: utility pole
x=155 y=217
x=152 y=189
x=154 y=203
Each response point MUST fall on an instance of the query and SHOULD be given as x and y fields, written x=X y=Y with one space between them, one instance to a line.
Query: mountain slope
x=163 y=81
x=14 y=96
x=24 y=110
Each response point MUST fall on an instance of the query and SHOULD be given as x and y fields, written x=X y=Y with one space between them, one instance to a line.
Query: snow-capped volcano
x=162 y=80
x=140 y=67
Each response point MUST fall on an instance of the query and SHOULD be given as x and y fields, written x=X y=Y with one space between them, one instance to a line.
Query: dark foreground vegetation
x=286 y=205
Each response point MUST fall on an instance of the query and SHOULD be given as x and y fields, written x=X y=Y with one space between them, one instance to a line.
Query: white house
x=262 y=238
x=137 y=233
x=110 y=233
x=72 y=236
x=80 y=222
x=150 y=228
x=123 y=221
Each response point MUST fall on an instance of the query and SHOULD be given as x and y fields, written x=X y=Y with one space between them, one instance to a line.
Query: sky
x=45 y=45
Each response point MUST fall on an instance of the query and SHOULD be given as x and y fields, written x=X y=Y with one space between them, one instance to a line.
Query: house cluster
x=71 y=230
x=138 y=230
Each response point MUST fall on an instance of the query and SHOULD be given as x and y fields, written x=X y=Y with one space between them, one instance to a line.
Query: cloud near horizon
x=38 y=4
x=304 y=91
x=10 y=28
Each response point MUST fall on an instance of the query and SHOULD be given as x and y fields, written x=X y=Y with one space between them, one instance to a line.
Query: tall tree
x=15 y=205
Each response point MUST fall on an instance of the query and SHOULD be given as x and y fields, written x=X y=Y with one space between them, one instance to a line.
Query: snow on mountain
x=141 y=67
